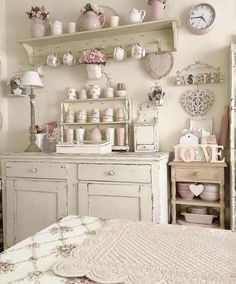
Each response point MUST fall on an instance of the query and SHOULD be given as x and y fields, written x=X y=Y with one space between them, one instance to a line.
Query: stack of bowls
x=210 y=192
x=184 y=191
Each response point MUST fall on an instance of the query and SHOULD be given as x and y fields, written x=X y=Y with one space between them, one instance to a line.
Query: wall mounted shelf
x=147 y=33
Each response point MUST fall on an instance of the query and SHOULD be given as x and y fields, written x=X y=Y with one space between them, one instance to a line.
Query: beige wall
x=211 y=48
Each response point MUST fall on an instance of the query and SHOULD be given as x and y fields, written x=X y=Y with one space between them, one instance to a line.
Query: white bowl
x=209 y=196
x=198 y=210
x=211 y=187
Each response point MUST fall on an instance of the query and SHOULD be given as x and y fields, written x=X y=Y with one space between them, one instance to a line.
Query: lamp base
x=33 y=148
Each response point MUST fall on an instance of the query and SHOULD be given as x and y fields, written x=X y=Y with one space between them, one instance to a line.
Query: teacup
x=53 y=60
x=69 y=59
x=119 y=53
x=137 y=51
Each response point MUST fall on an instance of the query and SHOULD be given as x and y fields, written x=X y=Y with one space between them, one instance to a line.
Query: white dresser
x=39 y=189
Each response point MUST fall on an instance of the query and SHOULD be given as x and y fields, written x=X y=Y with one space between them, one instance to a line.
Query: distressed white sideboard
x=39 y=189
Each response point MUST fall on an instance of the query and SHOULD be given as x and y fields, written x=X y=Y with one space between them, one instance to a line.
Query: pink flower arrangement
x=92 y=56
x=92 y=7
x=38 y=12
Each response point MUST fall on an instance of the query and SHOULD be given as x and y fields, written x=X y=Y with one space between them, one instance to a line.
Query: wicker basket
x=94 y=71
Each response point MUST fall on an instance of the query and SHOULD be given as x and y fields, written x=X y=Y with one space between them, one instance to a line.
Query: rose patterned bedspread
x=31 y=261
x=133 y=252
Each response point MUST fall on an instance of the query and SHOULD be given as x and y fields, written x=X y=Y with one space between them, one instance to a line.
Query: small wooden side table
x=198 y=172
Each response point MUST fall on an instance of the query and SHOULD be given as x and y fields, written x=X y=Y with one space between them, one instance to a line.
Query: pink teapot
x=90 y=21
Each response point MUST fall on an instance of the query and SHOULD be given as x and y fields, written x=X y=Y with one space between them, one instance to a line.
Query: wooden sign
x=188 y=153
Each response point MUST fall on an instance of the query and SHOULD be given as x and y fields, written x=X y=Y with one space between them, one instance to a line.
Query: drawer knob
x=110 y=173
x=196 y=174
x=34 y=170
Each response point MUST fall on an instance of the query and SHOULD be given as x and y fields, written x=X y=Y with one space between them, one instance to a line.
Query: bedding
x=121 y=251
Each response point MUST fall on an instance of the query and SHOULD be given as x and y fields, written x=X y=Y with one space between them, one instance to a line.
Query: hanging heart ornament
x=196 y=189
x=159 y=64
x=197 y=102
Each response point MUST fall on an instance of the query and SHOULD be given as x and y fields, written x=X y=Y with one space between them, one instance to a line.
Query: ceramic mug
x=94 y=91
x=137 y=51
x=110 y=135
x=53 y=60
x=82 y=94
x=120 y=136
x=69 y=135
x=79 y=135
x=71 y=27
x=69 y=59
x=119 y=53
x=108 y=92
x=114 y=21
x=71 y=94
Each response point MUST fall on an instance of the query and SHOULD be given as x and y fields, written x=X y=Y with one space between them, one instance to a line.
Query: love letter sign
x=188 y=153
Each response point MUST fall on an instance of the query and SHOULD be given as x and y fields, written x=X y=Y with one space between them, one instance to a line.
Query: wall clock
x=201 y=18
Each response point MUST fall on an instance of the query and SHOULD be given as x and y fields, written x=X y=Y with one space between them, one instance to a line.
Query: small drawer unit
x=197 y=186
x=196 y=173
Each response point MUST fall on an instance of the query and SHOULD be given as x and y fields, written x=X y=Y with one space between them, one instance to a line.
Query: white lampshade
x=32 y=79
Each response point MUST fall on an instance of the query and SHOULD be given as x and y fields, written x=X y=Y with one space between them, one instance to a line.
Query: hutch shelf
x=165 y=31
x=101 y=104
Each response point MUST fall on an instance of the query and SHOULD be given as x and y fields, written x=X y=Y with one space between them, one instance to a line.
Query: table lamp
x=32 y=80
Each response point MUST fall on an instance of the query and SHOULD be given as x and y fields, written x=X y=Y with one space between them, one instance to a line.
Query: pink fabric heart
x=159 y=64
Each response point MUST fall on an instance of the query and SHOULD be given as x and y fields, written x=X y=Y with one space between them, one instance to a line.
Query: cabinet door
x=32 y=205
x=124 y=201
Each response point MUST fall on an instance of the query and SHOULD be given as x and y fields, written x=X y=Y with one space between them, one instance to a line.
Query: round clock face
x=200 y=18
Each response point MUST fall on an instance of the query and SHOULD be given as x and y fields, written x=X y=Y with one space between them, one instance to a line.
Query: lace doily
x=136 y=253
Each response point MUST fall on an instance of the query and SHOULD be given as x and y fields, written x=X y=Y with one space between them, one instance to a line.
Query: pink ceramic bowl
x=183 y=186
x=186 y=194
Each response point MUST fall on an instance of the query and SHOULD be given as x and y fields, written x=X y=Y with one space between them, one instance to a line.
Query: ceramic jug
x=90 y=21
x=157 y=10
x=136 y=16
x=56 y=27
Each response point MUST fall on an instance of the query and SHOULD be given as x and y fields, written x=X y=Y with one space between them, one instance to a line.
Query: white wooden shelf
x=96 y=100
x=166 y=31
x=95 y=123
x=197 y=202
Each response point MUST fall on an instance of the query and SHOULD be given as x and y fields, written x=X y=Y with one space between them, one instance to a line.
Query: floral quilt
x=31 y=261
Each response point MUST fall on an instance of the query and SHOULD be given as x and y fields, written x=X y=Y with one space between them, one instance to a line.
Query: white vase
x=94 y=71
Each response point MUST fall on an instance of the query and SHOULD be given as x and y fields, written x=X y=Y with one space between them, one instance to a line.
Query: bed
x=94 y=250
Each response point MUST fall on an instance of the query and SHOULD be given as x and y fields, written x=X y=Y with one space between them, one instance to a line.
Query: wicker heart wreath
x=159 y=64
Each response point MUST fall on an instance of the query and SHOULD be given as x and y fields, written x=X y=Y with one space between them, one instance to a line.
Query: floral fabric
x=31 y=261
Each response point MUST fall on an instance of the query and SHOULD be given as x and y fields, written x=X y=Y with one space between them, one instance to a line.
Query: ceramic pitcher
x=157 y=10
x=90 y=21
x=136 y=16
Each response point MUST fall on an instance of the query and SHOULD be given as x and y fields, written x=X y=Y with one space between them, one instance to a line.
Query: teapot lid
x=133 y=10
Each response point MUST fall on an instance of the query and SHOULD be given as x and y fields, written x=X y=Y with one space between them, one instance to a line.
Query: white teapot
x=56 y=27
x=136 y=16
